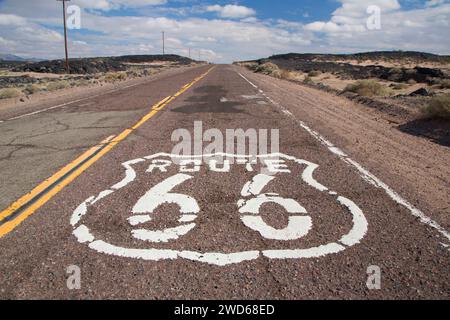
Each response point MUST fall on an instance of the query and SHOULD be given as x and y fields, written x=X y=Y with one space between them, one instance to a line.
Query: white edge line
x=364 y=173
x=254 y=85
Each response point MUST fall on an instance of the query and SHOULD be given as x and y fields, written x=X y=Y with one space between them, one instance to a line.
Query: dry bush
x=31 y=89
x=314 y=73
x=308 y=80
x=270 y=69
x=10 y=93
x=57 y=85
x=368 y=88
x=116 y=76
x=82 y=83
x=444 y=84
x=439 y=107
x=287 y=75
x=400 y=86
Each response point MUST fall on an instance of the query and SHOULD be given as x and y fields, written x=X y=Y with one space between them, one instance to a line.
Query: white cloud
x=419 y=29
x=202 y=39
x=11 y=20
x=232 y=11
x=4 y=42
x=107 y=5
x=352 y=16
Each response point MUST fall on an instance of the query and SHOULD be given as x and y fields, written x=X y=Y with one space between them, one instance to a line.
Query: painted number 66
x=249 y=207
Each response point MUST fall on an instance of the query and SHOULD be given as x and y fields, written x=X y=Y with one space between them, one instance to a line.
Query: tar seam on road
x=53 y=182
x=21 y=209
x=364 y=173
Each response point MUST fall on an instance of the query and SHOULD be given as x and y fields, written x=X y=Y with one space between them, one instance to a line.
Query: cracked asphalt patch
x=42 y=144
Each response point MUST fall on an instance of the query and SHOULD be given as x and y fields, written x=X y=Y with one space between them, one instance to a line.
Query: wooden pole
x=65 y=34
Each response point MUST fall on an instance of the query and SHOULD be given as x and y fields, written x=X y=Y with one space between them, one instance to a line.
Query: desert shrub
x=395 y=74
x=10 y=93
x=122 y=76
x=251 y=66
x=444 y=84
x=81 y=83
x=399 y=86
x=57 y=85
x=116 y=76
x=308 y=80
x=288 y=75
x=439 y=107
x=269 y=68
x=314 y=73
x=368 y=88
x=31 y=89
x=395 y=70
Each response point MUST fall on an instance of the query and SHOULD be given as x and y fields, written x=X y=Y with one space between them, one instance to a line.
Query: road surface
x=345 y=207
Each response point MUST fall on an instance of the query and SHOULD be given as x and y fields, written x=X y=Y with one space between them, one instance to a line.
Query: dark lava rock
x=420 y=92
x=6 y=82
x=349 y=71
x=326 y=63
x=97 y=65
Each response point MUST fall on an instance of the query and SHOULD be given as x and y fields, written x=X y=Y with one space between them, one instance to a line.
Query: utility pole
x=65 y=34
x=164 y=43
x=189 y=53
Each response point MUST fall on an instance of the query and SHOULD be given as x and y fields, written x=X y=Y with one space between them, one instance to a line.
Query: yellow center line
x=47 y=183
x=83 y=162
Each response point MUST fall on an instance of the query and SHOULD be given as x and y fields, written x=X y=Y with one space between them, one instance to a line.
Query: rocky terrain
x=411 y=89
x=346 y=67
x=98 y=65
x=394 y=57
x=389 y=76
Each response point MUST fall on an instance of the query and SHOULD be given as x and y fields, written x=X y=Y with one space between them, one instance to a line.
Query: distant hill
x=11 y=57
x=387 y=56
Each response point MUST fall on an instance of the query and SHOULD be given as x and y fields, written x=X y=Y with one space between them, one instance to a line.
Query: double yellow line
x=21 y=209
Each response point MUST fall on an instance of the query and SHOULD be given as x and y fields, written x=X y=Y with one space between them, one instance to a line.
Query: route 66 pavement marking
x=248 y=207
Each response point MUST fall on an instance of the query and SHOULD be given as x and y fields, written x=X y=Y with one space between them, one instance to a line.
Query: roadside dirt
x=418 y=168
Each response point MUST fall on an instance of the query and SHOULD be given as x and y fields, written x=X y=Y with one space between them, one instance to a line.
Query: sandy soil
x=391 y=64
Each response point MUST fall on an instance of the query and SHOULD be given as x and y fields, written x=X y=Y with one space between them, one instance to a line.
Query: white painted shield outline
x=356 y=234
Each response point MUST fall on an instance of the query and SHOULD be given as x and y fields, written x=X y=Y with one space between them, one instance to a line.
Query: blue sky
x=224 y=31
x=294 y=10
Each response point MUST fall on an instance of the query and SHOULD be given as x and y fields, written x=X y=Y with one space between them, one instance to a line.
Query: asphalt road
x=322 y=216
